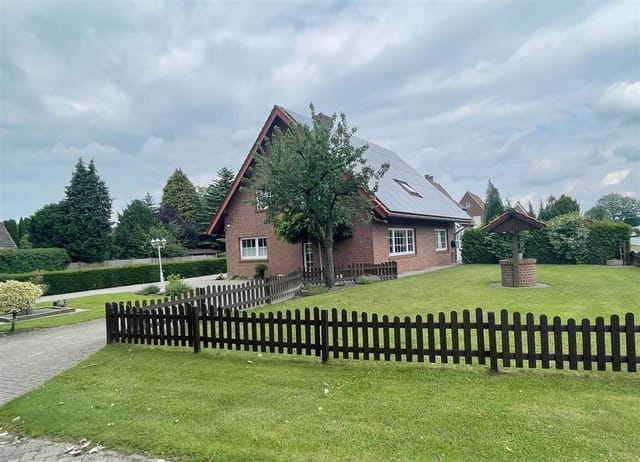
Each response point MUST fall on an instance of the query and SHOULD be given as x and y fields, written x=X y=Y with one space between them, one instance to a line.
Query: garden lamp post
x=159 y=244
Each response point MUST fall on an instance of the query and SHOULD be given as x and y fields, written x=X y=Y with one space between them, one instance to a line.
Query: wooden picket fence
x=501 y=340
x=349 y=273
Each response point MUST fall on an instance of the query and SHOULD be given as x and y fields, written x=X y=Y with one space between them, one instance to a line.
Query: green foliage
x=46 y=226
x=478 y=246
x=180 y=194
x=604 y=241
x=176 y=286
x=149 y=290
x=87 y=207
x=568 y=236
x=557 y=207
x=312 y=181
x=536 y=245
x=260 y=270
x=171 y=233
x=616 y=207
x=131 y=236
x=493 y=203
x=12 y=228
x=60 y=282
x=17 y=295
x=27 y=260
x=212 y=197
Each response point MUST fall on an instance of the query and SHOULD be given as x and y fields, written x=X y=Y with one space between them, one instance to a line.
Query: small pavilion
x=516 y=271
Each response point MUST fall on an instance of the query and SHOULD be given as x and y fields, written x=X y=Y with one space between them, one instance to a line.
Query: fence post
x=107 y=316
x=324 y=335
x=267 y=291
x=493 y=348
x=194 y=311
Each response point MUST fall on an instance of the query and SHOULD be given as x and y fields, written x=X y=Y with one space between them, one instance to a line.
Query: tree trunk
x=13 y=322
x=329 y=268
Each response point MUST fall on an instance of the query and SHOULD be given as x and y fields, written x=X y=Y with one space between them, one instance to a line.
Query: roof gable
x=6 y=241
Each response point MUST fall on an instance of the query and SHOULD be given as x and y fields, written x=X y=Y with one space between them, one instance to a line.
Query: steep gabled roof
x=6 y=241
x=402 y=191
x=475 y=198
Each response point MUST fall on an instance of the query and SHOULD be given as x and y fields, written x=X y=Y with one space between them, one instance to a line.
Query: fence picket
x=557 y=342
x=466 y=334
x=573 y=347
x=615 y=342
x=600 y=344
x=544 y=341
x=629 y=328
x=504 y=335
x=442 y=328
x=517 y=335
x=586 y=344
x=455 y=338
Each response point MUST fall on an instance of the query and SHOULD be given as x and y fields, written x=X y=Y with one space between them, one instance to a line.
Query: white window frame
x=441 y=237
x=260 y=250
x=398 y=238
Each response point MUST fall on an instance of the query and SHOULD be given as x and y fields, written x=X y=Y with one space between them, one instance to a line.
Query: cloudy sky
x=541 y=97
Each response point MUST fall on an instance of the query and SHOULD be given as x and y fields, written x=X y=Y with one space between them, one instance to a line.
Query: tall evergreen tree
x=212 y=197
x=493 y=203
x=46 y=227
x=87 y=206
x=180 y=194
x=130 y=236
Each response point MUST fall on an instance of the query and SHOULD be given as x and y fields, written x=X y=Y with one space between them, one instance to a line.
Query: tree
x=493 y=203
x=557 y=207
x=130 y=238
x=47 y=225
x=312 y=181
x=180 y=194
x=616 y=207
x=568 y=236
x=530 y=210
x=87 y=207
x=211 y=198
x=16 y=296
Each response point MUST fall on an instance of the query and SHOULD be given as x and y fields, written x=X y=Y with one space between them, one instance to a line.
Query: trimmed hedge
x=602 y=244
x=60 y=282
x=27 y=260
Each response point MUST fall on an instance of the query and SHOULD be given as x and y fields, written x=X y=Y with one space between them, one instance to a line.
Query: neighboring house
x=474 y=207
x=6 y=241
x=413 y=221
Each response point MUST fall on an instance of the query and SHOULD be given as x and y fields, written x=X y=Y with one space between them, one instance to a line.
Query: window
x=253 y=248
x=308 y=256
x=441 y=239
x=261 y=197
x=408 y=188
x=467 y=205
x=401 y=241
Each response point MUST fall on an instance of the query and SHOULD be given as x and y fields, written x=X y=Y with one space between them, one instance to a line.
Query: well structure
x=516 y=271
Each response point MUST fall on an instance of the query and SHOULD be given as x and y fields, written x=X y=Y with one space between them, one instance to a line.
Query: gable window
x=408 y=188
x=401 y=241
x=261 y=197
x=441 y=239
x=253 y=248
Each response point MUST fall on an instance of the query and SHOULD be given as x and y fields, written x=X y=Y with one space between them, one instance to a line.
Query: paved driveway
x=31 y=358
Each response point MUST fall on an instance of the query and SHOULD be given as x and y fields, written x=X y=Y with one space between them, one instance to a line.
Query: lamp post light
x=159 y=244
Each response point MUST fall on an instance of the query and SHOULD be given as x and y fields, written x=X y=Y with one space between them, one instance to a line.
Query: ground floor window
x=253 y=248
x=308 y=256
x=401 y=241
x=441 y=239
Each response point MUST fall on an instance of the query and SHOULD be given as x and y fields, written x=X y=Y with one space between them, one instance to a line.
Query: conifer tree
x=493 y=203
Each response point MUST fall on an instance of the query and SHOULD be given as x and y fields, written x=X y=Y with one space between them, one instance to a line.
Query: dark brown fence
x=349 y=273
x=502 y=340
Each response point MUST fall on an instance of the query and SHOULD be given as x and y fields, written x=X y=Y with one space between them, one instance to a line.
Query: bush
x=17 y=295
x=604 y=241
x=176 y=286
x=478 y=246
x=367 y=279
x=27 y=260
x=568 y=237
x=536 y=245
x=260 y=270
x=60 y=282
x=149 y=290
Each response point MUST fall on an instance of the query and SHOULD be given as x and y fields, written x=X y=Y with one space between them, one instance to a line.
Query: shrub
x=367 y=279
x=60 y=282
x=260 y=271
x=149 y=290
x=478 y=246
x=568 y=237
x=27 y=260
x=17 y=295
x=536 y=245
x=604 y=241
x=176 y=286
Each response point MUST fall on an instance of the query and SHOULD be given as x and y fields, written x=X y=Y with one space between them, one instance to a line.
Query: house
x=474 y=206
x=413 y=221
x=6 y=241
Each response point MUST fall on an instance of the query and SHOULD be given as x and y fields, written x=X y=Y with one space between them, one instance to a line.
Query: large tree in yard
x=616 y=207
x=312 y=183
x=493 y=203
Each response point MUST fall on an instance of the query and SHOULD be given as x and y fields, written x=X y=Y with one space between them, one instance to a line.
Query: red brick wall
x=474 y=209
x=526 y=271
x=241 y=221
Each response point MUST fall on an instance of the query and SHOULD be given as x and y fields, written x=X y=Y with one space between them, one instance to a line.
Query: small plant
x=260 y=270
x=176 y=286
x=148 y=290
x=16 y=296
x=367 y=279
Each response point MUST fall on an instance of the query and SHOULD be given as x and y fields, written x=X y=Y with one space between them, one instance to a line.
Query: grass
x=236 y=406
x=574 y=291
x=91 y=307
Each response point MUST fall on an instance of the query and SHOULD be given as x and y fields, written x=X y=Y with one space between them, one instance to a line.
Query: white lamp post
x=159 y=244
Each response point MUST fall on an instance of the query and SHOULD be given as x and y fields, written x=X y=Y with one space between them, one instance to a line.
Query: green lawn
x=236 y=406
x=239 y=406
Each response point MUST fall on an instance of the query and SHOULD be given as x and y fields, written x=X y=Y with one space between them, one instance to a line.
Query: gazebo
x=516 y=271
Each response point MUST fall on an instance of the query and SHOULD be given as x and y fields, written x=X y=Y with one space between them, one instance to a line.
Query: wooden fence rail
x=385 y=271
x=503 y=340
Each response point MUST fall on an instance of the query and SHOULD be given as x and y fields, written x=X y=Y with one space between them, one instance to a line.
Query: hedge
x=602 y=244
x=27 y=260
x=60 y=282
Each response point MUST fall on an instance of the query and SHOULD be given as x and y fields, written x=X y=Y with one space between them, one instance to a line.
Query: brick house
x=413 y=223
x=474 y=206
